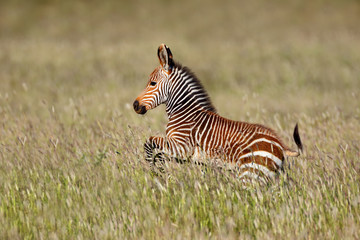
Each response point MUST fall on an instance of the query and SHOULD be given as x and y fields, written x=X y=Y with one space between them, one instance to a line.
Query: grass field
x=71 y=157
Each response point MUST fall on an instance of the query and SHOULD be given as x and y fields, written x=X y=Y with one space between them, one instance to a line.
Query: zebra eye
x=153 y=83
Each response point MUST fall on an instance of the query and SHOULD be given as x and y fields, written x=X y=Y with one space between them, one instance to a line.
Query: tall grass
x=71 y=157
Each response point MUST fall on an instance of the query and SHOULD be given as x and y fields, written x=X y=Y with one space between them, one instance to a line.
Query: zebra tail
x=292 y=153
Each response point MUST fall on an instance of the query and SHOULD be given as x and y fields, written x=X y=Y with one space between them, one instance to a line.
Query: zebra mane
x=206 y=101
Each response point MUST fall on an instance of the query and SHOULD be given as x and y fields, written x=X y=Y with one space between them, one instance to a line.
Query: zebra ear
x=165 y=58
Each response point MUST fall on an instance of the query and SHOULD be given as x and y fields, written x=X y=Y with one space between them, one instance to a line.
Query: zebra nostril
x=142 y=110
x=136 y=105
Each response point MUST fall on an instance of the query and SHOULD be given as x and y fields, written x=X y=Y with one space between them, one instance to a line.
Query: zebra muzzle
x=139 y=108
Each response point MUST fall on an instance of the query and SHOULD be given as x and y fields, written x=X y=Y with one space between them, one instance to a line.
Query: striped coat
x=196 y=131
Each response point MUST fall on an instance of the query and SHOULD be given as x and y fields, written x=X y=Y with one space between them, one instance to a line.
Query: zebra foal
x=195 y=130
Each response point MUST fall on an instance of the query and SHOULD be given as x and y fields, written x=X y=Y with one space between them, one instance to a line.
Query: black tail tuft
x=297 y=138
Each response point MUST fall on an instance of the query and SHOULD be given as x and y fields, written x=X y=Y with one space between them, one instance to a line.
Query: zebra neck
x=186 y=94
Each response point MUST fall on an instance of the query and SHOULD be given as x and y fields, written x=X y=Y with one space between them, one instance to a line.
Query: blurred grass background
x=71 y=145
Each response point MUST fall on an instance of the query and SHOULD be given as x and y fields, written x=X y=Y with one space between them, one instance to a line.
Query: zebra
x=196 y=131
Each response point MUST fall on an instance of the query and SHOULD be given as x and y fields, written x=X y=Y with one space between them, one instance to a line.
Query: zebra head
x=156 y=91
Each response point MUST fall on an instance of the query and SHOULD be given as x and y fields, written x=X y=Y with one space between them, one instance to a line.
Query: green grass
x=71 y=157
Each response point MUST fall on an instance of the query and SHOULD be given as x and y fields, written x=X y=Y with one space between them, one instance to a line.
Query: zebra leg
x=157 y=149
x=155 y=155
x=148 y=151
x=154 y=150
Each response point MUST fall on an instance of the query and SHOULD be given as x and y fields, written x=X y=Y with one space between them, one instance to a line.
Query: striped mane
x=197 y=88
